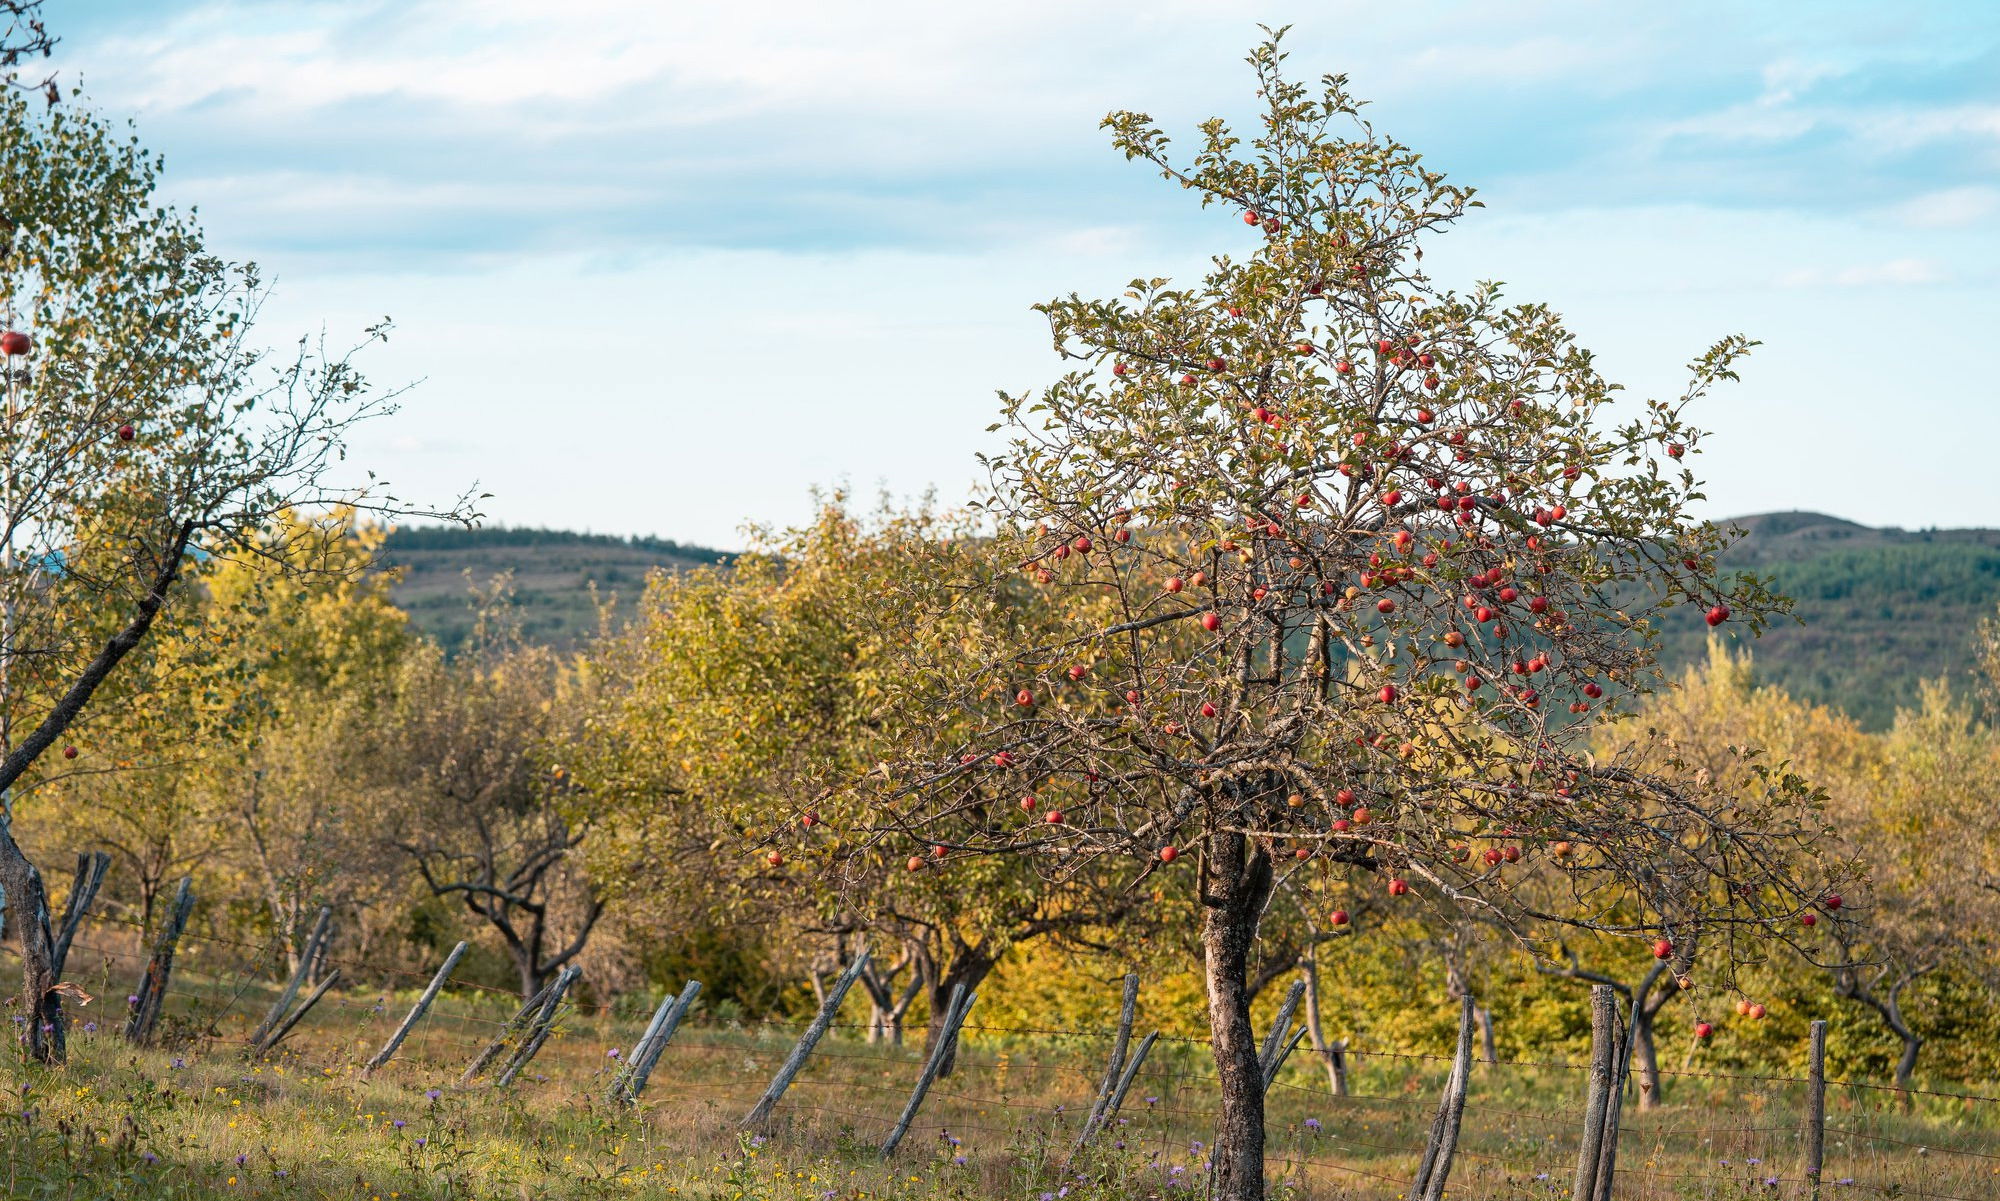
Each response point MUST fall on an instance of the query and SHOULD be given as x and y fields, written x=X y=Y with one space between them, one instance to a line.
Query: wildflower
x=959 y=1160
x=433 y=1095
x=612 y=1053
x=399 y=1123
x=178 y=1064
x=241 y=1160
x=1312 y=1124
x=1152 y=1100
x=132 y=999
x=90 y=1027
x=422 y=1141
x=149 y=1157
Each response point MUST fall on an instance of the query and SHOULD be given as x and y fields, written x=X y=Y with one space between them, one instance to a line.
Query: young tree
x=1366 y=560
x=748 y=691
x=142 y=432
x=481 y=803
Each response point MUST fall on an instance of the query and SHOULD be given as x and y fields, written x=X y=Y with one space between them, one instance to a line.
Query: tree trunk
x=1236 y=884
x=968 y=968
x=1486 y=1053
x=27 y=904
x=1647 y=1052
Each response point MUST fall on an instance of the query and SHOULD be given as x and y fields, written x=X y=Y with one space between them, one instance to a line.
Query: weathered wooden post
x=511 y=1029
x=625 y=1070
x=277 y=1035
x=1131 y=1073
x=1443 y=1140
x=1281 y=1026
x=649 y=1054
x=416 y=1013
x=1336 y=1066
x=761 y=1112
x=160 y=968
x=1624 y=1040
x=1597 y=1096
x=545 y=1022
x=960 y=1005
x=1815 y=1131
x=290 y=992
x=1278 y=1060
x=90 y=869
x=1115 y=1068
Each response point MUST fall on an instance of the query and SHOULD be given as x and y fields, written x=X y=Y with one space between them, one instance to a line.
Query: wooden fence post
x=625 y=1071
x=160 y=968
x=513 y=1027
x=90 y=869
x=277 y=1035
x=1336 y=1065
x=290 y=992
x=1278 y=1059
x=1115 y=1068
x=1130 y=1074
x=1603 y=1013
x=1281 y=1025
x=416 y=1012
x=761 y=1112
x=1815 y=1132
x=649 y=1054
x=961 y=1004
x=545 y=1022
x=1443 y=1140
x=1623 y=1040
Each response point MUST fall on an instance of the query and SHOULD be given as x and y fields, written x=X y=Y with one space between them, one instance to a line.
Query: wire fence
x=1017 y=1084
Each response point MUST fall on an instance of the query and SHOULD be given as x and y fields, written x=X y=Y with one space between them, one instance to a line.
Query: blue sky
x=661 y=267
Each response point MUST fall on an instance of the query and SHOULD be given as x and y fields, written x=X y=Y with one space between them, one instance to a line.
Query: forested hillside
x=1881 y=609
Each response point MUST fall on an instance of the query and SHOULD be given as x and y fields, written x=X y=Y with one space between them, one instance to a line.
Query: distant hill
x=1884 y=608
x=553 y=571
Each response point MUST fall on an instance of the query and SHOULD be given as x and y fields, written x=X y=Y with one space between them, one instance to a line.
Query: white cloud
x=1904 y=272
x=1950 y=208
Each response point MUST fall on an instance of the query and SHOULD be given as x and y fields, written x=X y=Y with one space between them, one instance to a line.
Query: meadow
x=195 y=1117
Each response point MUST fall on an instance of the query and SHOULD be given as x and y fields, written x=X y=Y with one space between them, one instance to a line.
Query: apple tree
x=1359 y=564
x=750 y=693
x=143 y=432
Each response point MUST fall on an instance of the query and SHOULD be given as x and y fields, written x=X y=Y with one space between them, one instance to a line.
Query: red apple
x=1388 y=694
x=1167 y=854
x=1703 y=1030
x=1025 y=699
x=1211 y=622
x=916 y=863
x=1809 y=920
x=1028 y=803
x=1339 y=917
x=1252 y=218
x=1208 y=709
x=14 y=342
x=1342 y=367
x=1718 y=615
x=1833 y=901
x=1345 y=796
x=1217 y=363
x=1362 y=817
x=1663 y=949
x=126 y=433
x=1385 y=605
x=1174 y=583
x=69 y=752
x=775 y=859
x=1757 y=1011
x=1077 y=671
x=1398 y=888
x=1054 y=817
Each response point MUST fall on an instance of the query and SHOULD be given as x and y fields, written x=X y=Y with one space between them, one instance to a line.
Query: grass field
x=195 y=1118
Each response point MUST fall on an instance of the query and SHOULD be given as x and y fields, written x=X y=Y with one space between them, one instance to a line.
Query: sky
x=662 y=267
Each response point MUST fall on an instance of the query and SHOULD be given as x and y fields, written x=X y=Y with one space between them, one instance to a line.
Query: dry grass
x=173 y=1121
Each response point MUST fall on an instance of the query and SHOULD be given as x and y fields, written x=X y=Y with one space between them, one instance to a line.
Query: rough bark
x=1236 y=884
x=966 y=972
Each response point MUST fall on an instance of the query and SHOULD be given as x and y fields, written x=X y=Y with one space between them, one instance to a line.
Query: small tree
x=142 y=432
x=1365 y=561
x=481 y=802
